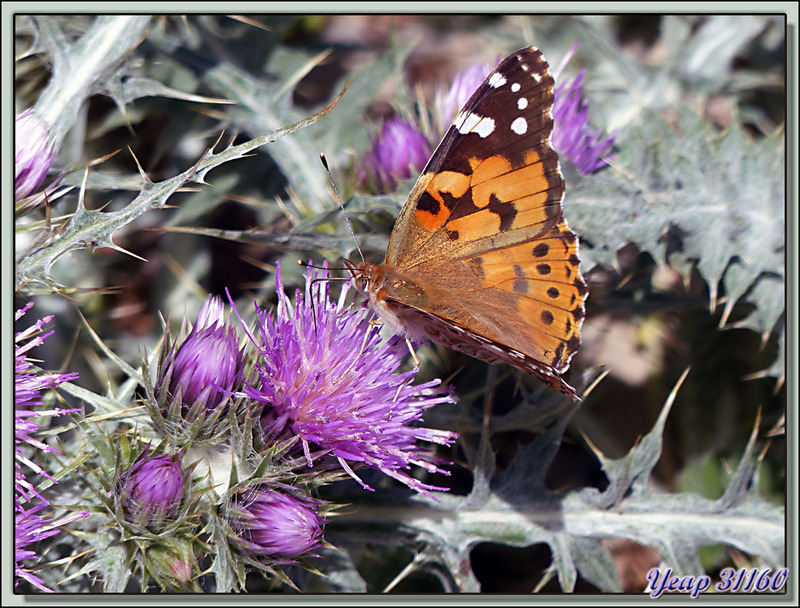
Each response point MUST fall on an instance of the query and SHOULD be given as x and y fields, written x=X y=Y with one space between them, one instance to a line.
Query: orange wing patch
x=541 y=281
x=433 y=216
x=494 y=199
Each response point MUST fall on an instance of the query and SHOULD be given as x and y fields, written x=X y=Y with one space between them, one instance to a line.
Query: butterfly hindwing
x=528 y=296
x=476 y=345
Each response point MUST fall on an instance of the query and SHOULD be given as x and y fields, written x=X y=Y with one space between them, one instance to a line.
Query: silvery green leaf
x=90 y=229
x=692 y=198
x=710 y=52
x=520 y=511
x=80 y=68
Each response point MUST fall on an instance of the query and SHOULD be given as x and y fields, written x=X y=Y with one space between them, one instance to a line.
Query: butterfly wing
x=476 y=345
x=528 y=297
x=481 y=258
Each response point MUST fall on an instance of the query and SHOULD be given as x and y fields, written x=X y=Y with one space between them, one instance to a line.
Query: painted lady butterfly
x=481 y=258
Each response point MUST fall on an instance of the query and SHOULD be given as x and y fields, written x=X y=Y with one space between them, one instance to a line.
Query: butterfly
x=480 y=258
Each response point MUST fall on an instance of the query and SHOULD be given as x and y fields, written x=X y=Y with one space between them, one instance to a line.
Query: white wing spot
x=496 y=80
x=519 y=126
x=536 y=77
x=524 y=66
x=515 y=87
x=472 y=123
x=522 y=103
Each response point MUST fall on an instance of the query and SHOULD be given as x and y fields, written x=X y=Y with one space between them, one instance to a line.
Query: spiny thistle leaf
x=89 y=228
x=80 y=68
x=340 y=573
x=693 y=198
x=265 y=104
x=713 y=47
x=520 y=511
x=259 y=109
x=127 y=90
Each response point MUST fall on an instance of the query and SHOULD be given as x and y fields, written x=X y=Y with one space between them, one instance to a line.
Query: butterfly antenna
x=341 y=204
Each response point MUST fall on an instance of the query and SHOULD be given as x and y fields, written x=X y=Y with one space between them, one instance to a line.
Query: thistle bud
x=273 y=524
x=34 y=153
x=399 y=152
x=151 y=490
x=207 y=365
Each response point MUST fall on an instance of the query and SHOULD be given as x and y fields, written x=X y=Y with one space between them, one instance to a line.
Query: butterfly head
x=363 y=275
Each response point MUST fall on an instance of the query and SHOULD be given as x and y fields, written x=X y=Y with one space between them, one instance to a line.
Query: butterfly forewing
x=494 y=180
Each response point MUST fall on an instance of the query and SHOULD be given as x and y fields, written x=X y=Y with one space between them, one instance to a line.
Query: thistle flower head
x=572 y=135
x=201 y=372
x=274 y=524
x=29 y=528
x=28 y=387
x=33 y=155
x=151 y=490
x=30 y=525
x=448 y=103
x=399 y=152
x=28 y=390
x=324 y=375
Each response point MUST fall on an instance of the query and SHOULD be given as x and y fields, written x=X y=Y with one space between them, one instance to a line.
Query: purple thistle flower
x=152 y=488
x=34 y=153
x=399 y=152
x=269 y=523
x=325 y=376
x=207 y=366
x=30 y=527
x=464 y=84
x=572 y=135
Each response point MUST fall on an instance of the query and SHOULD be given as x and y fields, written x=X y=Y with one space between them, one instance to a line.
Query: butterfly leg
x=374 y=322
x=367 y=334
x=411 y=350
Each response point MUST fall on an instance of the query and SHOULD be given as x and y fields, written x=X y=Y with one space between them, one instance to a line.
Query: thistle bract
x=151 y=490
x=34 y=152
x=270 y=523
x=324 y=375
